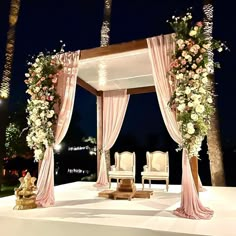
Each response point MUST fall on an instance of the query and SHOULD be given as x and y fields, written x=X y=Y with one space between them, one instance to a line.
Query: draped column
x=66 y=87
x=114 y=108
x=160 y=50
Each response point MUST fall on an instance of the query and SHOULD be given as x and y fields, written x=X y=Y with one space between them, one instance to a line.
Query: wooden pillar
x=99 y=129
x=194 y=168
x=39 y=166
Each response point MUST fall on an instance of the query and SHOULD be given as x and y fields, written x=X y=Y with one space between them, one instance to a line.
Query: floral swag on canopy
x=41 y=86
x=193 y=95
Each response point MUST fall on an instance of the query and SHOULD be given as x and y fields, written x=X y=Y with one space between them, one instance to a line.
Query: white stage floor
x=79 y=211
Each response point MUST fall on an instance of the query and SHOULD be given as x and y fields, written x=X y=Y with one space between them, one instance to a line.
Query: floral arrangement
x=193 y=95
x=41 y=81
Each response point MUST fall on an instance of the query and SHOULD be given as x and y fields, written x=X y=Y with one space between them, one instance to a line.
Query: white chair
x=124 y=167
x=157 y=167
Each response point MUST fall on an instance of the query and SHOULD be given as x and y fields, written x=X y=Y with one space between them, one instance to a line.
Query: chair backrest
x=125 y=161
x=158 y=161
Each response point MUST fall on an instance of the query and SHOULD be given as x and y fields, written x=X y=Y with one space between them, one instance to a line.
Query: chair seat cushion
x=155 y=174
x=120 y=173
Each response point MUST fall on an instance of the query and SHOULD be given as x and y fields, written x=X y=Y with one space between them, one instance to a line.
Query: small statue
x=25 y=194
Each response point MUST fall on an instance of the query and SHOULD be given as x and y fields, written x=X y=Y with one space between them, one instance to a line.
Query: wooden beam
x=87 y=86
x=194 y=169
x=112 y=49
x=150 y=89
x=99 y=130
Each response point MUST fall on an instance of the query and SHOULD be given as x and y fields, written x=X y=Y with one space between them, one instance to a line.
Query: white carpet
x=79 y=211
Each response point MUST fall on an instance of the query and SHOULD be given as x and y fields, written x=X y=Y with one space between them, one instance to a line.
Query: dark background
x=43 y=23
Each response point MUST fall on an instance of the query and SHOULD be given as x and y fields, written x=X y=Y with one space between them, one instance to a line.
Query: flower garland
x=41 y=83
x=189 y=72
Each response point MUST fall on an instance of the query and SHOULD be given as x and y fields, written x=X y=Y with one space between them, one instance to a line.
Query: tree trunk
x=214 y=148
x=215 y=153
x=5 y=83
x=213 y=136
x=3 y=125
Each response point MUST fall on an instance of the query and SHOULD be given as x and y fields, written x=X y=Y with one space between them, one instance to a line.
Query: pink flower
x=183 y=62
x=54 y=80
x=199 y=24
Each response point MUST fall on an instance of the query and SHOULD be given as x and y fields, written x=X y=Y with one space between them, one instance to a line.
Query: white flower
x=190 y=104
x=187 y=90
x=27 y=75
x=38 y=70
x=192 y=32
x=187 y=136
x=179 y=76
x=36 y=89
x=181 y=107
x=38 y=153
x=200 y=108
x=190 y=128
x=194 y=117
x=204 y=80
x=50 y=114
x=209 y=100
x=202 y=90
x=38 y=122
x=189 y=58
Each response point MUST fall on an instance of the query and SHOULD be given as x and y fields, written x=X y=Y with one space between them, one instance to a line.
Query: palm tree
x=5 y=84
x=104 y=41
x=213 y=136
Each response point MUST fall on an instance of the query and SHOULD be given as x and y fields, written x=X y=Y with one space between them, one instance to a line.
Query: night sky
x=43 y=23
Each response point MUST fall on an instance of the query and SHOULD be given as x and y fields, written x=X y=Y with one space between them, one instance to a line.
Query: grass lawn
x=7 y=190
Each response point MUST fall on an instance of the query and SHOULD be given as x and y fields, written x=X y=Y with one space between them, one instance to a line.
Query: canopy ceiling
x=120 y=66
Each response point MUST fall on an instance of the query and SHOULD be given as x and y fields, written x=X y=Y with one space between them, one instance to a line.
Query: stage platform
x=79 y=211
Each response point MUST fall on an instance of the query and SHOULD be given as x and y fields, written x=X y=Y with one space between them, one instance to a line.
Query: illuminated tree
x=5 y=83
x=213 y=135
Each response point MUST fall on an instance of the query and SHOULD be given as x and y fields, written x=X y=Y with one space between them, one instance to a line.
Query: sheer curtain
x=160 y=51
x=66 y=87
x=114 y=108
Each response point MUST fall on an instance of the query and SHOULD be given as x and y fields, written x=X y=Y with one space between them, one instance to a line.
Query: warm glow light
x=4 y=93
x=102 y=73
x=57 y=147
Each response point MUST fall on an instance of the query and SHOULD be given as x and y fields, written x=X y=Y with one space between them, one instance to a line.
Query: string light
x=105 y=30
x=13 y=17
x=208 y=28
x=102 y=73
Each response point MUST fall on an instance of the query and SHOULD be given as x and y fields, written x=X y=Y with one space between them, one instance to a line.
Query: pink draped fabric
x=114 y=108
x=66 y=87
x=160 y=51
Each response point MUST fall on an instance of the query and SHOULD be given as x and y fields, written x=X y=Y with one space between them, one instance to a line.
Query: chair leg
x=167 y=185
x=109 y=182
x=149 y=183
x=142 y=183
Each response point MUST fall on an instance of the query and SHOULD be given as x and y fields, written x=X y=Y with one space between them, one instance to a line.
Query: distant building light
x=78 y=148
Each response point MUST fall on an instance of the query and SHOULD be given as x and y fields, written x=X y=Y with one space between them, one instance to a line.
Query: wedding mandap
x=113 y=74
